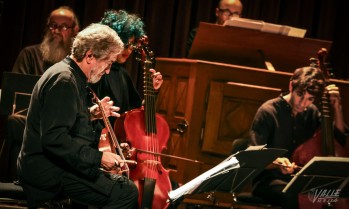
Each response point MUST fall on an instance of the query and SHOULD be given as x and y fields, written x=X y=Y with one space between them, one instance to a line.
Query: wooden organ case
x=215 y=101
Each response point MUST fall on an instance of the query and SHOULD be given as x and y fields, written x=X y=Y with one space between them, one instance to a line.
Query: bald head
x=227 y=9
x=66 y=16
x=227 y=3
x=62 y=27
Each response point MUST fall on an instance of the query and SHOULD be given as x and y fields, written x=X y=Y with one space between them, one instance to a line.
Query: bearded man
x=62 y=27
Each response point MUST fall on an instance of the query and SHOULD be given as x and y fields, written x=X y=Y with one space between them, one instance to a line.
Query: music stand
x=247 y=47
x=16 y=92
x=252 y=162
x=322 y=174
x=229 y=181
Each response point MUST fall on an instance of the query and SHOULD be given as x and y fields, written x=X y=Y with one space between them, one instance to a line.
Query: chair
x=13 y=196
x=16 y=90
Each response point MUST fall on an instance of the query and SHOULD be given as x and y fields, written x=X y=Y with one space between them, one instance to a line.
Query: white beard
x=93 y=76
x=53 y=51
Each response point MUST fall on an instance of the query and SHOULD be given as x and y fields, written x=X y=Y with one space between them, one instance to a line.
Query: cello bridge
x=151 y=162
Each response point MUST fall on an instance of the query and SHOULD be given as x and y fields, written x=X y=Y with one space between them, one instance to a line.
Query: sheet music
x=265 y=27
x=187 y=188
x=256 y=147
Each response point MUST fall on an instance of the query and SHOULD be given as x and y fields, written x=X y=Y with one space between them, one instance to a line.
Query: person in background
x=61 y=27
x=288 y=121
x=225 y=10
x=59 y=154
x=118 y=84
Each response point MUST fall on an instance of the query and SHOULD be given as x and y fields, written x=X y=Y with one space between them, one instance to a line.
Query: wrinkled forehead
x=62 y=16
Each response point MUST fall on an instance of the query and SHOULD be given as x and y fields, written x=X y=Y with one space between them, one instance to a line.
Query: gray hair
x=100 y=39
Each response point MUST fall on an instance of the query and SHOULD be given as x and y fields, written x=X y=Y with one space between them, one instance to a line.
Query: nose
x=304 y=102
x=56 y=30
x=127 y=51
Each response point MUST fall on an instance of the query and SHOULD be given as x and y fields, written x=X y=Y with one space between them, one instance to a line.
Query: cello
x=322 y=142
x=148 y=132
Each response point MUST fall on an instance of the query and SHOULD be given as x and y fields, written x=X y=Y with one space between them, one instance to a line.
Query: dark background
x=168 y=22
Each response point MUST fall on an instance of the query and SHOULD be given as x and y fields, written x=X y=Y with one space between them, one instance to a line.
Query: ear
x=89 y=56
x=217 y=12
x=290 y=88
x=76 y=29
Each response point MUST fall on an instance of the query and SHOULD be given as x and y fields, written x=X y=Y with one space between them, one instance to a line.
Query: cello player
x=288 y=121
x=117 y=84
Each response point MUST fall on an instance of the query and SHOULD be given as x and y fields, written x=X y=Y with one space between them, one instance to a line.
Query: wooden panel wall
x=230 y=110
x=218 y=102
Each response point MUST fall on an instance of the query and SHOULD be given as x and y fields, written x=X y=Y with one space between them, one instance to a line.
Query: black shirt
x=30 y=61
x=275 y=126
x=119 y=87
x=58 y=136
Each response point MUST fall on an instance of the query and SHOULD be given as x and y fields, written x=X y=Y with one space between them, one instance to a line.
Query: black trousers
x=122 y=195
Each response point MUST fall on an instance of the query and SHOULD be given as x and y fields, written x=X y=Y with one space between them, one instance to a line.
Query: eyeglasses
x=228 y=13
x=131 y=45
x=54 y=26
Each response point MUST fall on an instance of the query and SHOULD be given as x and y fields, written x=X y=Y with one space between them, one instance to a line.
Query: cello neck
x=148 y=61
x=149 y=100
x=325 y=108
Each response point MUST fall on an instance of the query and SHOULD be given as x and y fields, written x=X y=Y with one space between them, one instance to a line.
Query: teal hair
x=126 y=25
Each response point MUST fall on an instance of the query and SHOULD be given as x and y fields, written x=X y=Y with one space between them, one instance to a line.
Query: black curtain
x=168 y=23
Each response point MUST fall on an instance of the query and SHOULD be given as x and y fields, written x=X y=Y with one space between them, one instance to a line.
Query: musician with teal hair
x=118 y=84
x=126 y=25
